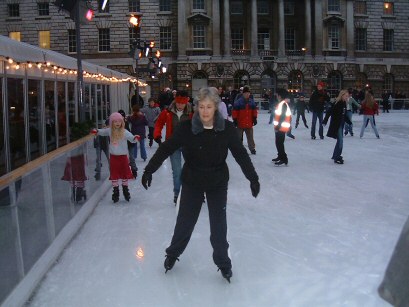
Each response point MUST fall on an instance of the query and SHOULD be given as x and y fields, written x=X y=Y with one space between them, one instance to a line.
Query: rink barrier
x=39 y=216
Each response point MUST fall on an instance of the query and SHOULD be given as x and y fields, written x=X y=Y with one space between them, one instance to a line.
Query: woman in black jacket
x=336 y=126
x=205 y=141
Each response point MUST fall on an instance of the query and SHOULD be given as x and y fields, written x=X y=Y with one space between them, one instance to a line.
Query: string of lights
x=48 y=67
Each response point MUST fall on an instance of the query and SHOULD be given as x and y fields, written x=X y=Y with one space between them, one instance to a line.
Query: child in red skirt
x=118 y=154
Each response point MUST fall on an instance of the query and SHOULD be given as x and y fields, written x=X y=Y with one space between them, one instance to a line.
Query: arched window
x=295 y=81
x=361 y=81
x=241 y=78
x=268 y=81
x=388 y=83
x=199 y=80
x=334 y=84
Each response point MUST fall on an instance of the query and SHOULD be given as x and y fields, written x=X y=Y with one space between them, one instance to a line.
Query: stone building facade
x=261 y=43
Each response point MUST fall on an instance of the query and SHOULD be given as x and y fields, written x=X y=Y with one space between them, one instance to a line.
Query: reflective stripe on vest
x=285 y=125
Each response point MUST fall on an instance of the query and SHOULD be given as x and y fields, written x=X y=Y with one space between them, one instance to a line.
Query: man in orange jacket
x=178 y=111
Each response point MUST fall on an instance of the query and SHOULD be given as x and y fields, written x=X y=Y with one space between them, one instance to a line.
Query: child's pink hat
x=115 y=116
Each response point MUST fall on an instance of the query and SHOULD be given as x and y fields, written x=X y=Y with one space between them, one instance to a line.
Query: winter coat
x=338 y=117
x=244 y=112
x=151 y=114
x=138 y=123
x=169 y=118
x=205 y=152
x=318 y=100
x=369 y=111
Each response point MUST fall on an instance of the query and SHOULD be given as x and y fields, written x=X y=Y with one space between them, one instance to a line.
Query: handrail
x=37 y=163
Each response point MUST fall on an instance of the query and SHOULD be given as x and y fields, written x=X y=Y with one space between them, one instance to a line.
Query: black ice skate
x=169 y=262
x=115 y=194
x=281 y=162
x=226 y=273
x=125 y=190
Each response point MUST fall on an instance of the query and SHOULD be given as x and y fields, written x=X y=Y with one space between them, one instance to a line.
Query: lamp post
x=140 y=49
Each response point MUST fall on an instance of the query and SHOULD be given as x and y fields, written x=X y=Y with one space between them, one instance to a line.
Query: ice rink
x=318 y=234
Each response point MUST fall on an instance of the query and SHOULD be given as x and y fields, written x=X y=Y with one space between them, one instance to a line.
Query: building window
x=387 y=83
x=334 y=83
x=295 y=81
x=104 y=40
x=165 y=38
x=360 y=39
x=199 y=36
x=333 y=36
x=100 y=10
x=134 y=34
x=134 y=5
x=44 y=39
x=15 y=35
x=263 y=39
x=14 y=9
x=43 y=8
x=198 y=5
x=334 y=6
x=236 y=7
x=289 y=7
x=262 y=7
x=289 y=38
x=164 y=5
x=388 y=40
x=241 y=78
x=388 y=8
x=72 y=41
x=360 y=7
x=237 y=38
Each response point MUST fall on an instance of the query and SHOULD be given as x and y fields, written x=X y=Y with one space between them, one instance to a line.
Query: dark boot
x=169 y=262
x=115 y=194
x=296 y=125
x=281 y=162
x=276 y=159
x=175 y=199
x=226 y=273
x=80 y=194
x=125 y=190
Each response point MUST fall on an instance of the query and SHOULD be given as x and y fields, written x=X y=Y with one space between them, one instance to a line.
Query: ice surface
x=318 y=234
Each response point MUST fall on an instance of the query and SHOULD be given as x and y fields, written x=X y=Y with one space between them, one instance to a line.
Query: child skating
x=118 y=154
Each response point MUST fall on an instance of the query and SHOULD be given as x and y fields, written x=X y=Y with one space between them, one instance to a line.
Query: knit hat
x=122 y=112
x=321 y=83
x=115 y=116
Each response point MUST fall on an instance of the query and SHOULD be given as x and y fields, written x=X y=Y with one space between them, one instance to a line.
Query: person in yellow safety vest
x=282 y=124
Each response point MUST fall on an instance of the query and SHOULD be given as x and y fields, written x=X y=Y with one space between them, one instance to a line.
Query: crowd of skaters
x=207 y=128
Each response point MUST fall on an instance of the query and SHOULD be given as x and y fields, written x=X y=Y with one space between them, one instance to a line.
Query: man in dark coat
x=317 y=103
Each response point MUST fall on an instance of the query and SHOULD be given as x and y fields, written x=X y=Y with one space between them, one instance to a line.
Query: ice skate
x=115 y=194
x=125 y=191
x=169 y=262
x=226 y=273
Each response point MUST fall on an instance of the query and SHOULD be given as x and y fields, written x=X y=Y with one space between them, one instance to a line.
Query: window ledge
x=43 y=17
x=14 y=19
x=164 y=13
x=361 y=15
x=388 y=16
x=99 y=15
x=129 y=14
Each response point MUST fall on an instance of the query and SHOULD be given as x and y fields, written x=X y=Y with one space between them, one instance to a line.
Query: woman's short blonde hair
x=210 y=93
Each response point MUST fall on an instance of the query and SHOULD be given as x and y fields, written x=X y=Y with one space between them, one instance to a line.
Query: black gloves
x=158 y=140
x=146 y=179
x=255 y=188
x=254 y=121
x=235 y=122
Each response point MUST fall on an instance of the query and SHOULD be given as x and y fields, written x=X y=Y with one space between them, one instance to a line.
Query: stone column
x=281 y=28
x=182 y=36
x=318 y=28
x=254 y=29
x=216 y=27
x=308 y=27
x=226 y=28
x=350 y=39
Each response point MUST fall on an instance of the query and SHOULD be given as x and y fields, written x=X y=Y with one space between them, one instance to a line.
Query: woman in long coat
x=337 y=112
x=205 y=142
